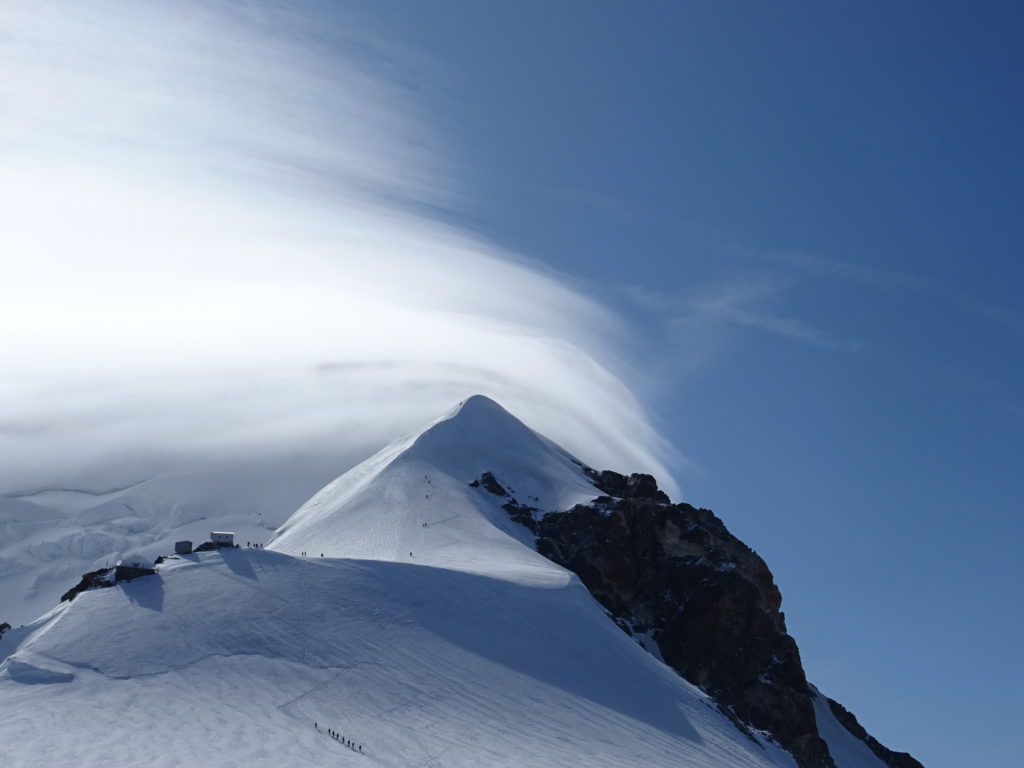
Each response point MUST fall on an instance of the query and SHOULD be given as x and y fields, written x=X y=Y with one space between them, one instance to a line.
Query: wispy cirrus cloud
x=198 y=195
x=755 y=303
x=744 y=304
x=893 y=281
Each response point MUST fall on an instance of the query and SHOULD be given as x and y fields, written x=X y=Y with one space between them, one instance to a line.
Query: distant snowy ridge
x=50 y=537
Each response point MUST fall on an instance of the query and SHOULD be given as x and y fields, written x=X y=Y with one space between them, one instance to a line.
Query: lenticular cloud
x=227 y=234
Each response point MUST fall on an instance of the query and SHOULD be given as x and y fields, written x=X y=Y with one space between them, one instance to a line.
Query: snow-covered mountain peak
x=479 y=409
x=409 y=618
x=418 y=499
x=476 y=418
x=479 y=435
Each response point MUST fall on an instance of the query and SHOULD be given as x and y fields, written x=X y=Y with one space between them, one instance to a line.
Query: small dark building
x=183 y=547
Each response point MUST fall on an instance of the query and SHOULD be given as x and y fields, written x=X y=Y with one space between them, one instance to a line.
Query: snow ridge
x=414 y=496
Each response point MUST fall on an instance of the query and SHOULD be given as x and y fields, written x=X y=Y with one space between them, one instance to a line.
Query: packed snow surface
x=229 y=658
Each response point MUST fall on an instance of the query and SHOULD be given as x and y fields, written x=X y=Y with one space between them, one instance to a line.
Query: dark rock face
x=675 y=572
x=210 y=546
x=521 y=513
x=887 y=756
x=635 y=486
x=105 y=577
x=3 y=628
x=490 y=484
x=707 y=599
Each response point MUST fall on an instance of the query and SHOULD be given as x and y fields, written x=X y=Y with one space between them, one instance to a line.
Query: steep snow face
x=846 y=749
x=412 y=502
x=228 y=658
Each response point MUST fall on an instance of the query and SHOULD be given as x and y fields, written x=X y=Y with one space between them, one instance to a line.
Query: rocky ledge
x=106 y=577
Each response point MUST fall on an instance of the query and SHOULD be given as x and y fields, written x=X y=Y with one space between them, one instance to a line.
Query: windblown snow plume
x=227 y=234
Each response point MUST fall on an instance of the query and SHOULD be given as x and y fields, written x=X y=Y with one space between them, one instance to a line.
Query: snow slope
x=228 y=658
x=415 y=497
x=50 y=536
x=846 y=749
x=475 y=651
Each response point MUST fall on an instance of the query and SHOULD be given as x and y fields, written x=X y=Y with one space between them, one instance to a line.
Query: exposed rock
x=3 y=628
x=708 y=600
x=521 y=513
x=210 y=546
x=106 y=577
x=635 y=486
x=676 y=574
x=490 y=484
x=886 y=755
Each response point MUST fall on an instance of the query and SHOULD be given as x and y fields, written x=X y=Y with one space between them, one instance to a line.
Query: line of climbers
x=338 y=737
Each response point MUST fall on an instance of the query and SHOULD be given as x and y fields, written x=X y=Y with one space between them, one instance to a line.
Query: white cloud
x=214 y=244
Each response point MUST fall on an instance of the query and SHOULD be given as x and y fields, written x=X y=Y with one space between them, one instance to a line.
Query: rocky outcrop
x=635 y=486
x=210 y=546
x=3 y=628
x=105 y=577
x=674 y=574
x=489 y=483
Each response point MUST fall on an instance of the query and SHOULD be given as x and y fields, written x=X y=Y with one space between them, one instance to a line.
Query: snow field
x=229 y=657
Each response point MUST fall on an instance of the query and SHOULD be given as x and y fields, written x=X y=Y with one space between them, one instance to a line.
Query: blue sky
x=791 y=229
x=811 y=215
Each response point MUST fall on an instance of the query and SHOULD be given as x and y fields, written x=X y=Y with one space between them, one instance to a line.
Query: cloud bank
x=227 y=233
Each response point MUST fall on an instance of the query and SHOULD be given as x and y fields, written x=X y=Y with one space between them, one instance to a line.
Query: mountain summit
x=435 y=605
x=412 y=502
